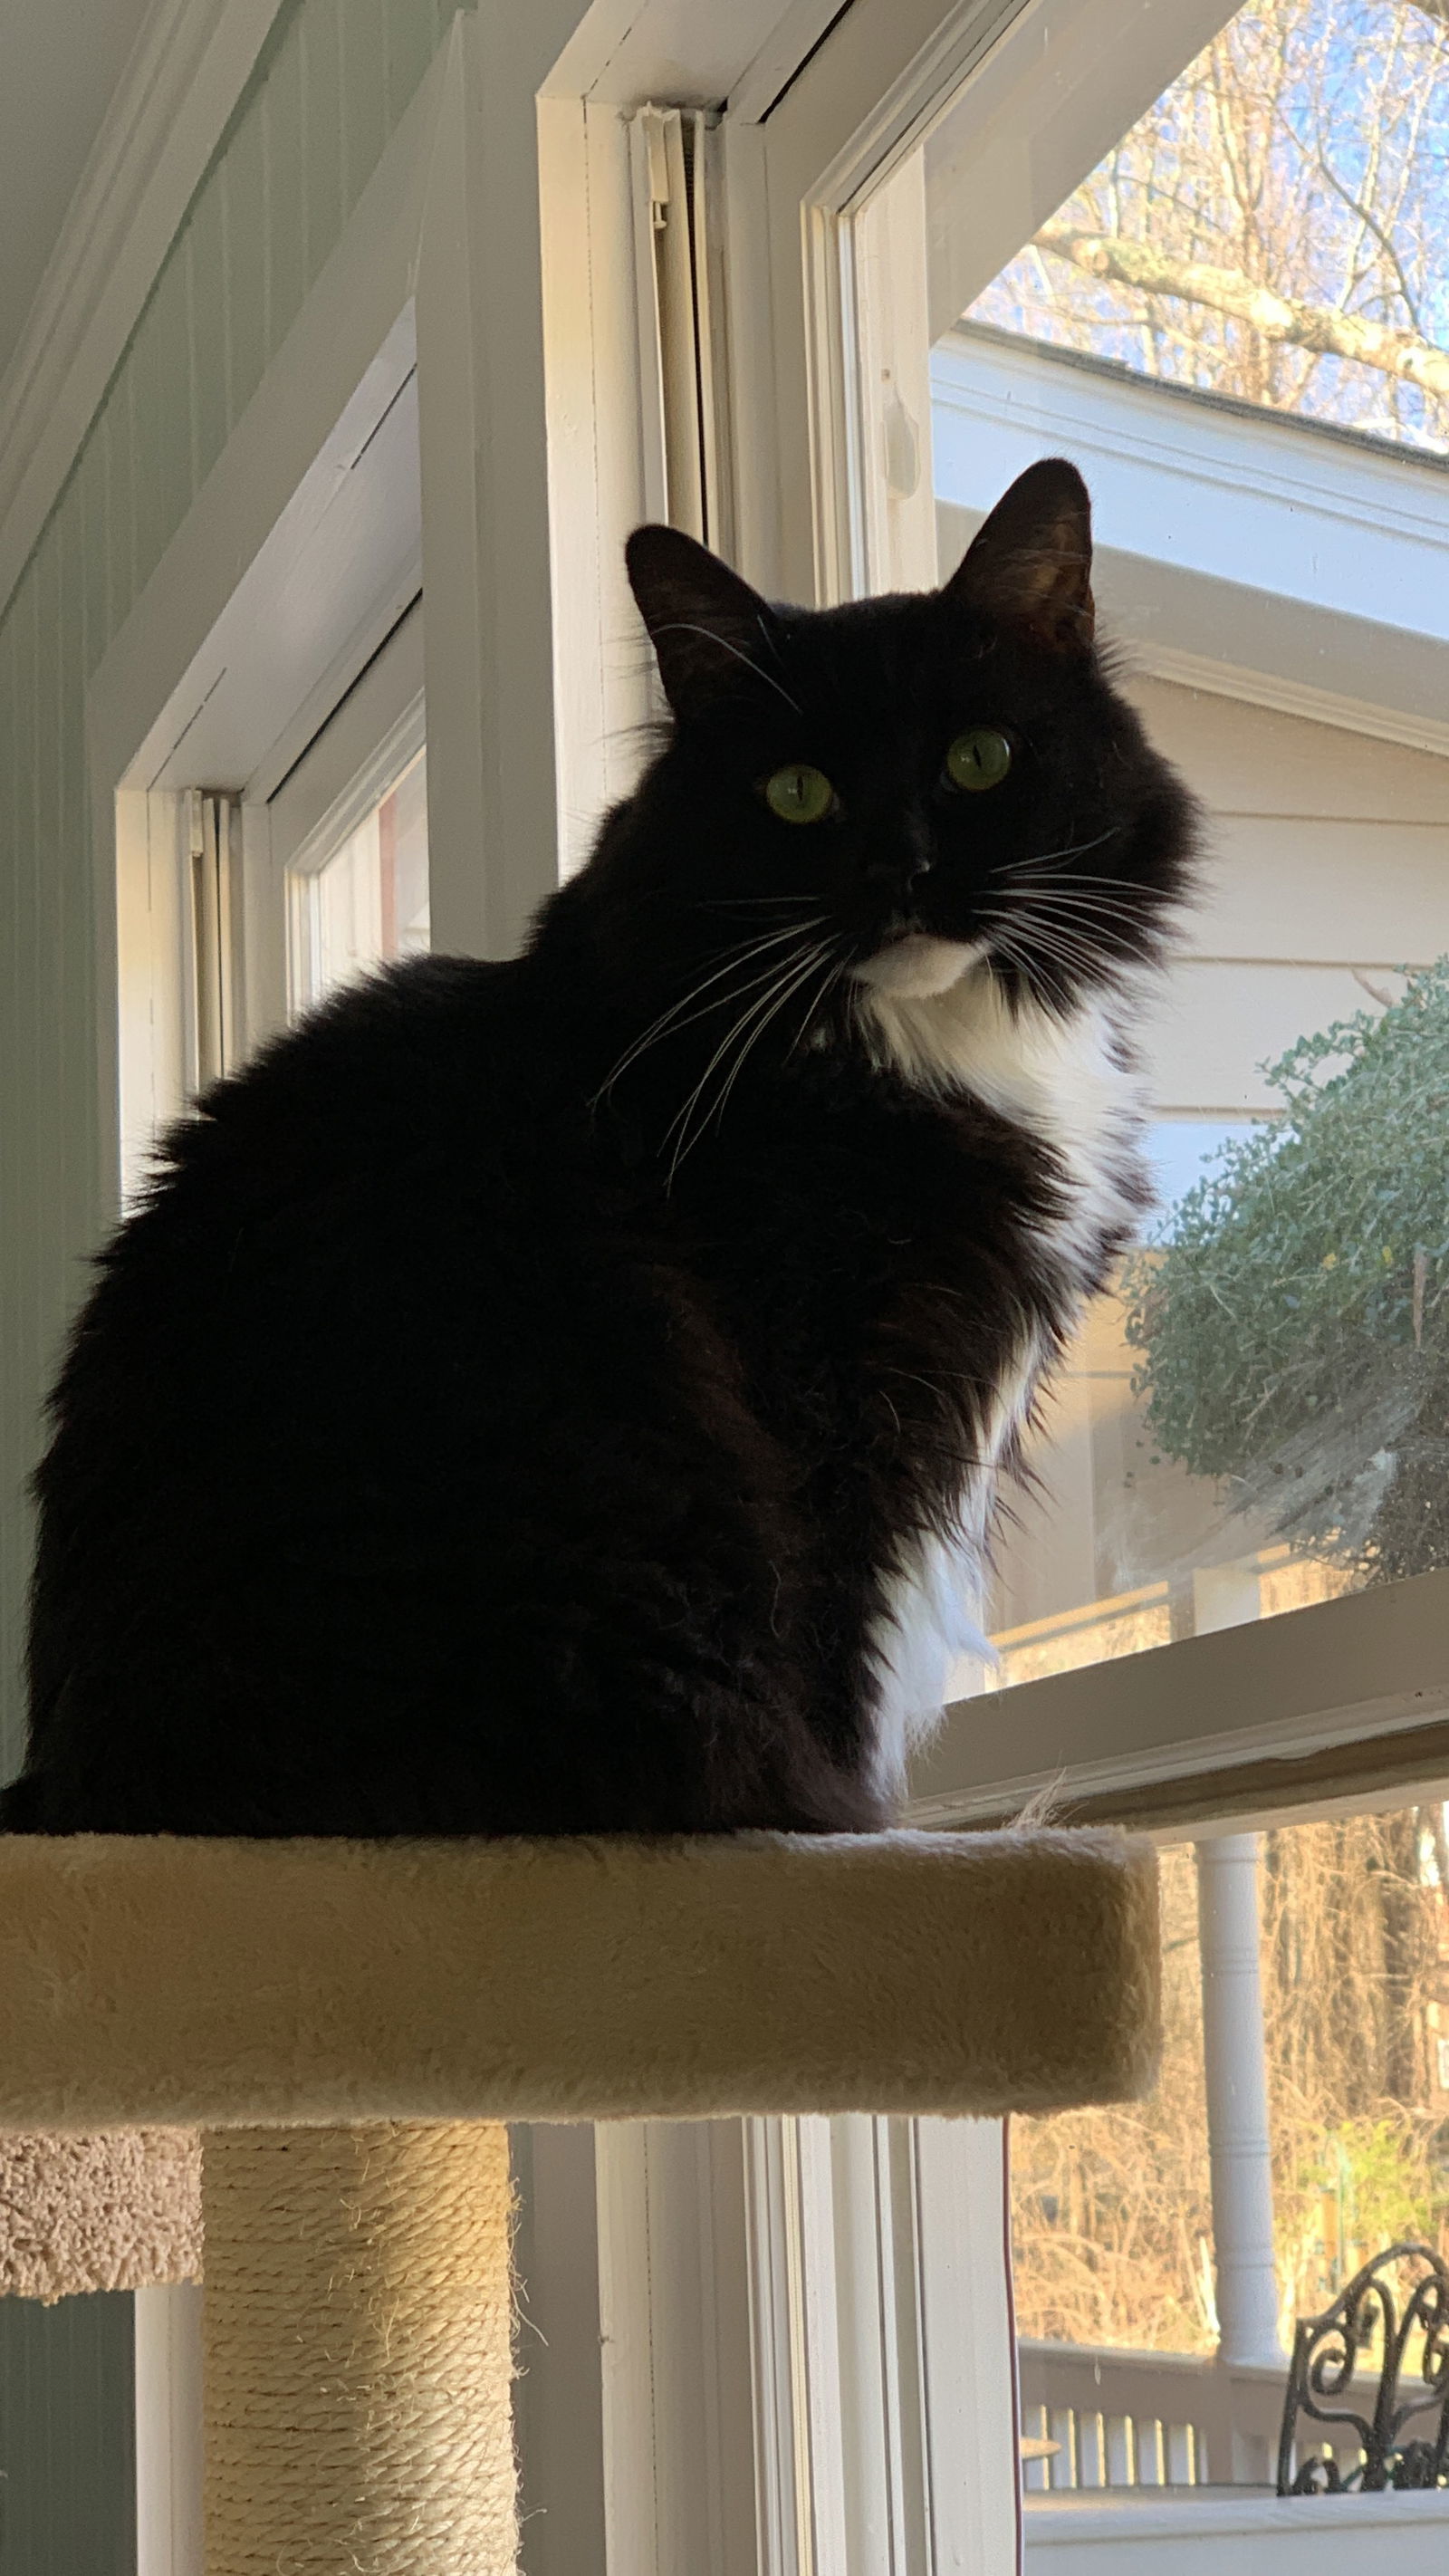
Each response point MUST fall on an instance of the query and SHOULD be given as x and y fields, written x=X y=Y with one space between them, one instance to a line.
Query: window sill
x=1250 y=2535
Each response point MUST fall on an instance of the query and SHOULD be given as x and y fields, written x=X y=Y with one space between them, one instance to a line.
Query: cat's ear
x=1030 y=563
x=711 y=633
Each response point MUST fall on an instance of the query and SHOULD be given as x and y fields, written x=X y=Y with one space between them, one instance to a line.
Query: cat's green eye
x=799 y=794
x=980 y=758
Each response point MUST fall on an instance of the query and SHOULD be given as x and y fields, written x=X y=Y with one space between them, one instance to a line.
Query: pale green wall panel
x=46 y=1212
x=66 y=2443
x=413 y=38
x=19 y=1136
x=298 y=152
x=118 y=430
x=363 y=91
x=203 y=264
x=243 y=204
x=87 y=508
x=322 y=129
x=286 y=232
x=159 y=368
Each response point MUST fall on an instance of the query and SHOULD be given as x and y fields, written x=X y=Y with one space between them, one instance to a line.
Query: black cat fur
x=500 y=1419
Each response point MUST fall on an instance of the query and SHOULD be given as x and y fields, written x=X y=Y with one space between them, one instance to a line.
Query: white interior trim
x=343 y=563
x=323 y=380
x=622 y=53
x=367 y=742
x=674 y=2325
x=883 y=2362
x=188 y=69
x=800 y=29
x=169 y=2441
x=155 y=985
x=406 y=259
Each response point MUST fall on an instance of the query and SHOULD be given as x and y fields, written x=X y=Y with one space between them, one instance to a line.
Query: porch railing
x=1125 y=2419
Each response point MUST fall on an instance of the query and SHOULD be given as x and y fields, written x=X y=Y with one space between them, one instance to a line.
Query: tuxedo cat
x=567 y=1395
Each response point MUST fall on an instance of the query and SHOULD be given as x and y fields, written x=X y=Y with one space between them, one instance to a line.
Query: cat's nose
x=900 y=869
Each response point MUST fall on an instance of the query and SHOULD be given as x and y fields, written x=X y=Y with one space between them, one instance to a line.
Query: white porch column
x=1237 y=2099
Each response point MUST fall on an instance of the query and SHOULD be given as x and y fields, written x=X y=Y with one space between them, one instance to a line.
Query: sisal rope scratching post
x=357 y=2374
x=347 y=2023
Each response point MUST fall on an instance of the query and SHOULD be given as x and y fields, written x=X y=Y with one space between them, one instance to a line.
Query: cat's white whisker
x=832 y=975
x=669 y=1020
x=771 y=1005
x=781 y=975
x=1087 y=905
x=716 y=1116
x=685 y=626
x=1074 y=850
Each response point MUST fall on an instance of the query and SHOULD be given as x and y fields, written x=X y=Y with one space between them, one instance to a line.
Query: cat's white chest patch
x=935 y=1601
x=1070 y=1085
x=1065 y=1079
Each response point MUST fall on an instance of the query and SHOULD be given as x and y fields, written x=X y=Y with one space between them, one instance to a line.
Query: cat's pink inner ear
x=1030 y=562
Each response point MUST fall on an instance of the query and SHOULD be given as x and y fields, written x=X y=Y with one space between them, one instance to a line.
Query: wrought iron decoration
x=1326 y=2350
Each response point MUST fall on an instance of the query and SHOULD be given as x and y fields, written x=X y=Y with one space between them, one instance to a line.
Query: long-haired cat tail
x=567 y=1395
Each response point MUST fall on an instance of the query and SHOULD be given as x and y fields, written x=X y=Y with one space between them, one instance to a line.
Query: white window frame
x=370 y=738
x=1254 y=1720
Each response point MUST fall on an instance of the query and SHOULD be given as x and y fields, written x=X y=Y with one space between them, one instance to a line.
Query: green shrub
x=1294 y=1332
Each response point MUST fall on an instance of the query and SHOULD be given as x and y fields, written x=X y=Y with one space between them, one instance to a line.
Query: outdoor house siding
x=328 y=91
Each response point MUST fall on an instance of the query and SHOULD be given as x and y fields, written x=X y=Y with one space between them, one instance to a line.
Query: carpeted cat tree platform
x=349 y=2025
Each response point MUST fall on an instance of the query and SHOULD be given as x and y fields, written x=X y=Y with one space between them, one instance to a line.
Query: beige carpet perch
x=120 y=2210
x=350 y=2023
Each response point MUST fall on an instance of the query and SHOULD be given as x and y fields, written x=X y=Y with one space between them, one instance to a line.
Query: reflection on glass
x=1258 y=1418
x=1182 y=1152
x=367 y=904
x=1344 y=2041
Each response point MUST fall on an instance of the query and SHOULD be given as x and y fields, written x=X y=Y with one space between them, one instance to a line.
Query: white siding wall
x=1327 y=850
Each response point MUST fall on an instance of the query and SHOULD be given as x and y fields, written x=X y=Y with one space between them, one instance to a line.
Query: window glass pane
x=367 y=903
x=1272 y=230
x=1300 y=2129
x=1258 y=1417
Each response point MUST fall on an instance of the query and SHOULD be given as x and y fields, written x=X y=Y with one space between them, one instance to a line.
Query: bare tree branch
x=1284 y=318
x=1314 y=153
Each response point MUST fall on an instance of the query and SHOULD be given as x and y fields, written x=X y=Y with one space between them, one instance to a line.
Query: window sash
x=1340 y=1704
x=1333 y=1704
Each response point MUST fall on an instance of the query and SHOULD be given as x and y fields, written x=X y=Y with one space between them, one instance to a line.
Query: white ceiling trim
x=188 y=70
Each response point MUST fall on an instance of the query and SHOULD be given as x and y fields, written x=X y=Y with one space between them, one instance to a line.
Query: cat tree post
x=349 y=2024
x=356 y=2328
